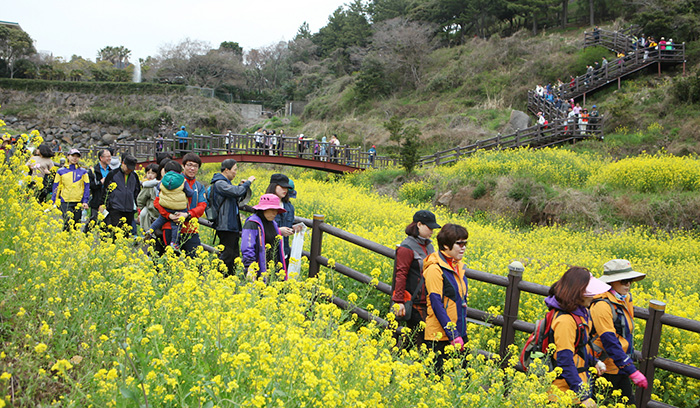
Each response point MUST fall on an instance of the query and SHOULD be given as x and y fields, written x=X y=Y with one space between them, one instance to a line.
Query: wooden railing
x=654 y=315
x=558 y=131
x=211 y=145
x=635 y=59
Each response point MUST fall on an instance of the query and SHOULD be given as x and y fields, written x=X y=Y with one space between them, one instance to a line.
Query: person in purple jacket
x=259 y=231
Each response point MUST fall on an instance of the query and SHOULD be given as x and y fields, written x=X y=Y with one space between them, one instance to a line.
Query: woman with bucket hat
x=613 y=322
x=408 y=289
x=571 y=296
x=259 y=231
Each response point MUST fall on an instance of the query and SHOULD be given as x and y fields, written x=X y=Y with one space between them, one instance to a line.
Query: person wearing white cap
x=613 y=321
x=72 y=186
x=571 y=295
x=259 y=231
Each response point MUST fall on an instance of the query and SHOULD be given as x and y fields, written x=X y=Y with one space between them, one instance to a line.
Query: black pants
x=92 y=222
x=71 y=211
x=621 y=382
x=415 y=338
x=114 y=218
x=229 y=239
x=439 y=348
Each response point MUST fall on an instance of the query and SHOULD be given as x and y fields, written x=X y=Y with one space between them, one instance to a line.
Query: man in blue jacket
x=225 y=197
x=182 y=138
x=121 y=187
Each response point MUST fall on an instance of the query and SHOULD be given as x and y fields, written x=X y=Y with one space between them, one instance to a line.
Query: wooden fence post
x=316 y=240
x=510 y=309
x=650 y=348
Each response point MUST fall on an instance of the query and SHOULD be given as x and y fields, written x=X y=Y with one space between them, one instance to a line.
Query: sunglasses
x=626 y=281
x=461 y=243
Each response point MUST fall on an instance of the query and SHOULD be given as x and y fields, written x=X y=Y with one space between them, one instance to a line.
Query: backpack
x=619 y=322
x=212 y=210
x=537 y=344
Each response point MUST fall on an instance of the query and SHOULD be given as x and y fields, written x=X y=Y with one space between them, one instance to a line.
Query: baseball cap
x=129 y=161
x=280 y=179
x=74 y=151
x=426 y=217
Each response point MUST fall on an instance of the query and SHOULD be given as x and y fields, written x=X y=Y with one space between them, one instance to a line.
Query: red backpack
x=537 y=344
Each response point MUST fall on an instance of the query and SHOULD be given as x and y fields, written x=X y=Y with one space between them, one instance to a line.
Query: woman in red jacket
x=408 y=293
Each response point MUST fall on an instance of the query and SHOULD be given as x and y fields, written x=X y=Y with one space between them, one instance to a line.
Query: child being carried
x=173 y=195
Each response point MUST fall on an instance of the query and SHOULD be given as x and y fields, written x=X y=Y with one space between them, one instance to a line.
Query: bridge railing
x=558 y=131
x=654 y=315
x=214 y=144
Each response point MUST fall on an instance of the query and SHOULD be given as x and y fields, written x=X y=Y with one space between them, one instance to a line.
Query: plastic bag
x=294 y=267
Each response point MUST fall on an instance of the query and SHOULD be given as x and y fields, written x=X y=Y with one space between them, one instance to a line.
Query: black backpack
x=212 y=210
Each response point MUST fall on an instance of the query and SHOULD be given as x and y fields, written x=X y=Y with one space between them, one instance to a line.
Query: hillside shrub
x=416 y=192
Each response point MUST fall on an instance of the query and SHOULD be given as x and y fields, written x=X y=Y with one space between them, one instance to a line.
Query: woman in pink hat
x=259 y=231
x=571 y=296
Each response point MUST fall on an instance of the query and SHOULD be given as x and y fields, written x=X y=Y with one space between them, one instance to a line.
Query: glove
x=589 y=403
x=600 y=367
x=639 y=379
x=458 y=343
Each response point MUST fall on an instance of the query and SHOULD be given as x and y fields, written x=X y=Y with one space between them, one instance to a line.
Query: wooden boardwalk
x=634 y=60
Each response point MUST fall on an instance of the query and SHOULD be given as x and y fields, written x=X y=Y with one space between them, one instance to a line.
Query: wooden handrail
x=508 y=321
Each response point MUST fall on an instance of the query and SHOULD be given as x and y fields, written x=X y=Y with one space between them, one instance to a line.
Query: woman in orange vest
x=570 y=296
x=613 y=321
x=446 y=285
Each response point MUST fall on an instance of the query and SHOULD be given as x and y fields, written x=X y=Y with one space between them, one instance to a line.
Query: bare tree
x=403 y=47
x=268 y=66
x=173 y=60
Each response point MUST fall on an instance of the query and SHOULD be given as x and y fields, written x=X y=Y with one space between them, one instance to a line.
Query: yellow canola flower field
x=670 y=260
x=554 y=166
x=96 y=323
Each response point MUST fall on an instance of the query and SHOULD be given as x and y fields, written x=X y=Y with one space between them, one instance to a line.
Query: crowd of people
x=578 y=120
x=167 y=204
x=270 y=142
x=593 y=324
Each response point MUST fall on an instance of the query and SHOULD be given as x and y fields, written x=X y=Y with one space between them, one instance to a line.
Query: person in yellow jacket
x=613 y=322
x=446 y=287
x=570 y=296
x=72 y=187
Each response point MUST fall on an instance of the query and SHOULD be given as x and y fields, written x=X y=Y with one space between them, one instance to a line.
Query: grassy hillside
x=468 y=92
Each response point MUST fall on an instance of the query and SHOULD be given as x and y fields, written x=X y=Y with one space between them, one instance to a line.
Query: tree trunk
x=590 y=5
x=564 y=12
x=534 y=23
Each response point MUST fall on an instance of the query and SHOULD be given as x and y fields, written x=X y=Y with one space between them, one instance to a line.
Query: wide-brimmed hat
x=426 y=217
x=281 y=180
x=74 y=151
x=595 y=287
x=270 y=202
x=620 y=269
